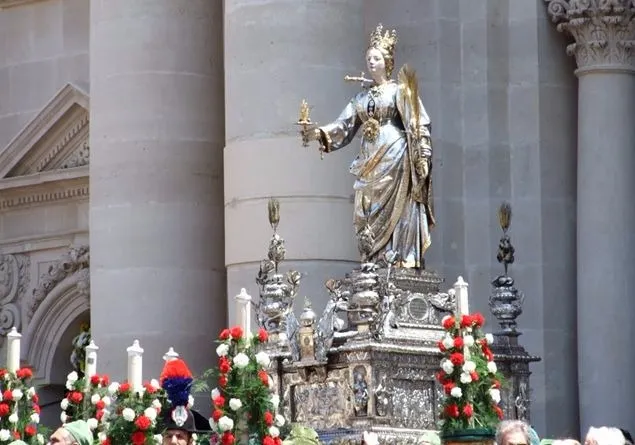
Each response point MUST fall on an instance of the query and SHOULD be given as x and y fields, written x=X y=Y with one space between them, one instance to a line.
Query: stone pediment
x=56 y=139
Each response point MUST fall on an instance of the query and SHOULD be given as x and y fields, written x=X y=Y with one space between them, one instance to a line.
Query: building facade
x=141 y=139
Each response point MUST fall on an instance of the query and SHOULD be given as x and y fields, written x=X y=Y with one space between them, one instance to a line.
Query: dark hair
x=627 y=435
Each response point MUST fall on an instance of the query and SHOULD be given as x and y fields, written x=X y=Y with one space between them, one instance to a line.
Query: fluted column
x=277 y=53
x=156 y=209
x=604 y=35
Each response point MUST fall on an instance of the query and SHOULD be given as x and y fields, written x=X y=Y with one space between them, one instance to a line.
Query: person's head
x=380 y=56
x=177 y=437
x=512 y=432
x=604 y=436
x=73 y=433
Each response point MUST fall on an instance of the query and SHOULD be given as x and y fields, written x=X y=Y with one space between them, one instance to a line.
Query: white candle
x=13 y=350
x=243 y=310
x=91 y=361
x=462 y=305
x=135 y=366
x=170 y=355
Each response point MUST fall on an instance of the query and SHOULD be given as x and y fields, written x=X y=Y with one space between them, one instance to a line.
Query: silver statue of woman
x=393 y=165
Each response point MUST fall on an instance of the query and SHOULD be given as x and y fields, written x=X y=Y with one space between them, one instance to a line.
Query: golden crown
x=385 y=40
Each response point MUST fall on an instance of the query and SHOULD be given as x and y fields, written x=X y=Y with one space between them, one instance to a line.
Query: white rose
x=156 y=404
x=72 y=377
x=128 y=414
x=468 y=341
x=31 y=392
x=63 y=417
x=5 y=435
x=235 y=404
x=447 y=366
x=190 y=401
x=13 y=418
x=155 y=383
x=64 y=404
x=466 y=377
x=448 y=342
x=40 y=439
x=469 y=366
x=489 y=338
x=113 y=388
x=215 y=393
x=92 y=423
x=158 y=439
x=225 y=423
x=101 y=436
x=94 y=399
x=495 y=394
x=456 y=392
x=150 y=413
x=241 y=360
x=279 y=420
x=491 y=367
x=274 y=431
x=275 y=401
x=222 y=350
x=35 y=418
x=263 y=359
x=16 y=394
x=106 y=400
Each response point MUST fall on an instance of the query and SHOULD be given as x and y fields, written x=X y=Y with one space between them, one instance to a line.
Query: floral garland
x=136 y=419
x=19 y=409
x=245 y=405
x=87 y=400
x=468 y=375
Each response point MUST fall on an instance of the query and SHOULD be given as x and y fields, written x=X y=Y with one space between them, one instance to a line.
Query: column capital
x=603 y=32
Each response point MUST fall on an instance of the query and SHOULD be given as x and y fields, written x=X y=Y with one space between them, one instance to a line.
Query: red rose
x=478 y=319
x=456 y=358
x=452 y=410
x=36 y=408
x=468 y=411
x=30 y=430
x=7 y=395
x=441 y=346
x=143 y=423
x=223 y=365
x=217 y=414
x=466 y=321
x=268 y=418
x=263 y=336
x=268 y=440
x=447 y=387
x=124 y=387
x=264 y=377
x=448 y=323
x=35 y=398
x=499 y=412
x=100 y=405
x=138 y=438
x=222 y=381
x=16 y=435
x=99 y=415
x=24 y=373
x=4 y=409
x=474 y=375
x=219 y=401
x=458 y=342
x=227 y=438
x=236 y=332
x=94 y=380
x=224 y=334
x=75 y=397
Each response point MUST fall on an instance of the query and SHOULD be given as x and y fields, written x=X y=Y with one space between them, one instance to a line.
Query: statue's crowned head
x=385 y=42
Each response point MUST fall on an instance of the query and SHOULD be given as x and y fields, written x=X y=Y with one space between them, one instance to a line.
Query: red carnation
x=440 y=376
x=268 y=440
x=124 y=387
x=474 y=375
x=224 y=334
x=478 y=319
x=441 y=346
x=99 y=415
x=219 y=401
x=236 y=332
x=227 y=438
x=264 y=377
x=223 y=365
x=105 y=380
x=222 y=381
x=447 y=387
x=94 y=380
x=499 y=412
x=7 y=395
x=100 y=405
x=466 y=321
x=217 y=414
x=138 y=438
x=106 y=441
x=458 y=342
x=75 y=397
x=448 y=323
x=456 y=358
x=468 y=410
x=277 y=440
x=16 y=435
x=36 y=408
x=496 y=384
x=3 y=372
x=487 y=352
x=35 y=398
x=143 y=423
x=263 y=335
x=452 y=410
x=268 y=418
x=149 y=388
x=24 y=373
x=30 y=430
x=4 y=409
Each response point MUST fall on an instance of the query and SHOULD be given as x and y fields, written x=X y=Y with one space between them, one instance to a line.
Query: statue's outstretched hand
x=309 y=134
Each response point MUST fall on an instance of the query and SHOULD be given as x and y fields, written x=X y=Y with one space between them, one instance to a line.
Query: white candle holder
x=90 y=368
x=13 y=350
x=135 y=366
x=460 y=290
x=170 y=355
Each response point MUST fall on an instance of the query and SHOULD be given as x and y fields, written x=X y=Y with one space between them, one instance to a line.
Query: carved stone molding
x=75 y=261
x=603 y=30
x=4 y=4
x=14 y=280
x=41 y=196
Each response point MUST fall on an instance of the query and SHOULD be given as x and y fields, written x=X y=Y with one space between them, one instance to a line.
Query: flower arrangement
x=469 y=376
x=87 y=399
x=135 y=418
x=19 y=409
x=244 y=405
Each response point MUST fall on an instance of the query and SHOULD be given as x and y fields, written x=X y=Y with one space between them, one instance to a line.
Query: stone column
x=277 y=53
x=604 y=36
x=156 y=215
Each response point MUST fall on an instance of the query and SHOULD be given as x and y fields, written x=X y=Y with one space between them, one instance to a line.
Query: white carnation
x=448 y=342
x=70 y=386
x=222 y=350
x=370 y=438
x=101 y=436
x=469 y=366
x=190 y=401
x=128 y=414
x=31 y=392
x=92 y=423
x=106 y=400
x=495 y=394
x=158 y=439
x=263 y=359
x=215 y=393
x=225 y=424
x=456 y=392
x=113 y=388
x=466 y=377
x=279 y=420
x=5 y=435
x=275 y=401
x=64 y=403
x=156 y=404
x=150 y=413
x=235 y=404
x=491 y=367
x=35 y=418
x=468 y=341
x=447 y=366
x=489 y=338
x=274 y=431
x=94 y=399
x=212 y=424
x=17 y=394
x=155 y=384
x=72 y=377
x=13 y=418
x=40 y=439
x=241 y=360
x=63 y=417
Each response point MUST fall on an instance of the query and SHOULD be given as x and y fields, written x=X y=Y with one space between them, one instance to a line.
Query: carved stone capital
x=603 y=32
